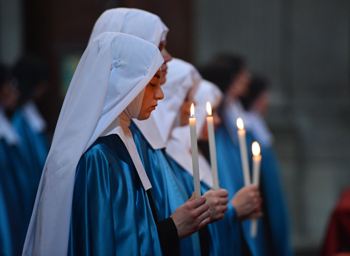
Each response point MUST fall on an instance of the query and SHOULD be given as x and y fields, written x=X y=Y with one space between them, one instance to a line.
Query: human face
x=217 y=120
x=167 y=57
x=9 y=96
x=261 y=104
x=239 y=86
x=153 y=93
x=185 y=109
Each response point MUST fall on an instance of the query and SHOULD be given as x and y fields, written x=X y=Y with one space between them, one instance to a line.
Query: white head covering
x=33 y=117
x=180 y=78
x=257 y=126
x=112 y=72
x=233 y=109
x=6 y=130
x=147 y=26
x=179 y=145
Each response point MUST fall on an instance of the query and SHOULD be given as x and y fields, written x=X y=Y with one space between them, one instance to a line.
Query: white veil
x=147 y=26
x=179 y=145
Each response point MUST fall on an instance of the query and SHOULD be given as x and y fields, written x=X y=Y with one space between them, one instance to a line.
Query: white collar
x=6 y=130
x=33 y=117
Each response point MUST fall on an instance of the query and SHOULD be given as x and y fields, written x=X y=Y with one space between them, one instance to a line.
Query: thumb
x=192 y=197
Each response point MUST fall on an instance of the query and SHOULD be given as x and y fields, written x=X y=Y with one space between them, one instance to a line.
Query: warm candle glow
x=240 y=124
x=255 y=148
x=192 y=110
x=208 y=108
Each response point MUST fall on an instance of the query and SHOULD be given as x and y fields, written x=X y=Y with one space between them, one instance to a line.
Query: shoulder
x=105 y=149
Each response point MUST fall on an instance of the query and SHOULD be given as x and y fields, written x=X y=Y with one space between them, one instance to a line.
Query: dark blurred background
x=301 y=46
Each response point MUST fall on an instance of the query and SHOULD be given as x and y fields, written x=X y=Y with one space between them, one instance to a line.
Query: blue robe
x=33 y=147
x=111 y=214
x=167 y=192
x=231 y=178
x=14 y=213
x=224 y=234
x=275 y=203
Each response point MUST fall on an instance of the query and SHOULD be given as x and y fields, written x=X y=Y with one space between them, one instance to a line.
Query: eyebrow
x=157 y=76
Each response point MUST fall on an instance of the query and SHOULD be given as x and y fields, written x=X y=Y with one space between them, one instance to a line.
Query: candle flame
x=192 y=110
x=208 y=108
x=255 y=148
x=240 y=124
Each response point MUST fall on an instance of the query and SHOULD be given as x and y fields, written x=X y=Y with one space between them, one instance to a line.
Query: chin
x=144 y=116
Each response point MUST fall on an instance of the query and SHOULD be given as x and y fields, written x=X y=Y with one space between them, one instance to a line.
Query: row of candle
x=212 y=150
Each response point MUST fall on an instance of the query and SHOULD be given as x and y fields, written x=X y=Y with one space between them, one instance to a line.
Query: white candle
x=212 y=148
x=244 y=152
x=256 y=181
x=196 y=181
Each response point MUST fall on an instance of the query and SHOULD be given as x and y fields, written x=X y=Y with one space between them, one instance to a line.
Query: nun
x=255 y=103
x=30 y=75
x=13 y=182
x=170 y=200
x=182 y=82
x=224 y=234
x=230 y=73
x=92 y=198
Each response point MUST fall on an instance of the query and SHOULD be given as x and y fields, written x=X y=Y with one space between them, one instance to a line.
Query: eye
x=153 y=85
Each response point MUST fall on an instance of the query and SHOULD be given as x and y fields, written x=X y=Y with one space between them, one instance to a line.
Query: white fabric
x=6 y=130
x=146 y=26
x=181 y=77
x=113 y=70
x=33 y=117
x=179 y=144
x=257 y=126
x=233 y=109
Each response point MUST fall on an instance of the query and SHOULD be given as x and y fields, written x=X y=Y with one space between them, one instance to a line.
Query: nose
x=159 y=95
x=166 y=56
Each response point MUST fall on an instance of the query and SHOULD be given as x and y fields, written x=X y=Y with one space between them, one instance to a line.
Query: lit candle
x=212 y=148
x=197 y=186
x=256 y=178
x=244 y=153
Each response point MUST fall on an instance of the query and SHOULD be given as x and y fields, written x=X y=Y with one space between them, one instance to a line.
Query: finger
x=192 y=197
x=203 y=216
x=197 y=202
x=200 y=210
x=223 y=201
x=222 y=192
x=221 y=209
x=203 y=223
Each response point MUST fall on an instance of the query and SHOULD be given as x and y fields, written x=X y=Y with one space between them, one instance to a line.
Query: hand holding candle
x=244 y=152
x=212 y=148
x=197 y=188
x=256 y=179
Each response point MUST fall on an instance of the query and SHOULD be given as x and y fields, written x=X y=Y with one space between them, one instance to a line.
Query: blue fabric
x=111 y=214
x=168 y=194
x=273 y=232
x=224 y=234
x=275 y=203
x=33 y=147
x=14 y=197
